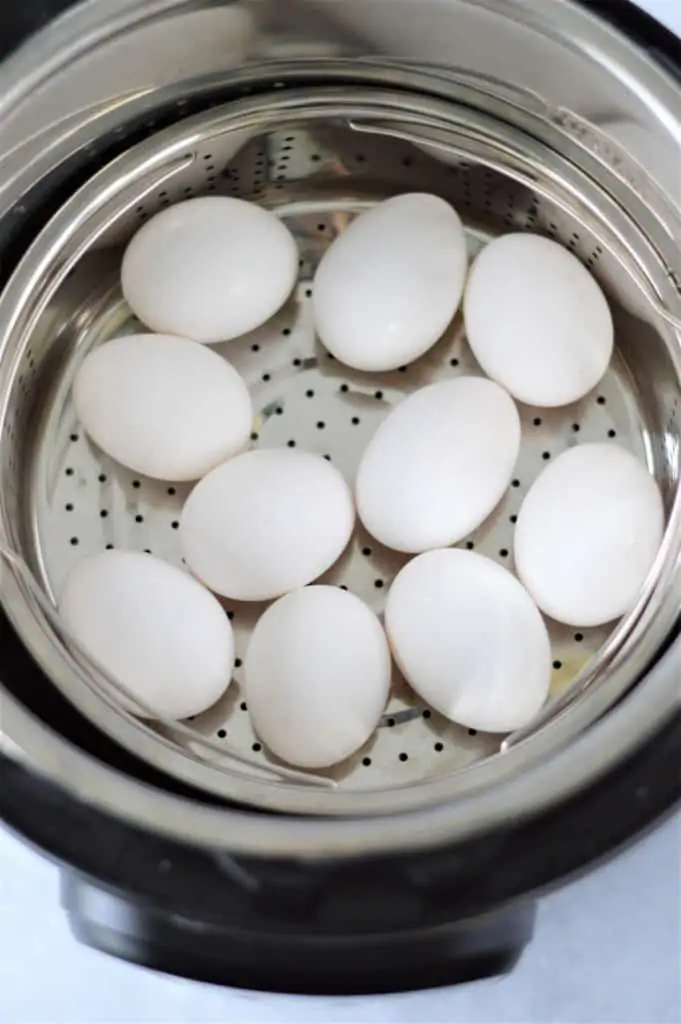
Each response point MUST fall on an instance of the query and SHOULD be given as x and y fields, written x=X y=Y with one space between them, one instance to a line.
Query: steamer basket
x=328 y=142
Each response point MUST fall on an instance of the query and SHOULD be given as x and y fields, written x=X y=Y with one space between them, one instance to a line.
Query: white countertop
x=666 y=11
x=607 y=951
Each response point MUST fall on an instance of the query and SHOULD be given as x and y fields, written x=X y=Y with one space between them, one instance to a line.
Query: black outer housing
x=410 y=921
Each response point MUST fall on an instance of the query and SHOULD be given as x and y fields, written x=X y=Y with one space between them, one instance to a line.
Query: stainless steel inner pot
x=317 y=139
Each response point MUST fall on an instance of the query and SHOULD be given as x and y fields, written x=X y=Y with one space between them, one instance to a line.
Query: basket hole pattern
x=145 y=514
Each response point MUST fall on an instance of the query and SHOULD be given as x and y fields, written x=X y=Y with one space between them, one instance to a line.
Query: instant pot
x=183 y=847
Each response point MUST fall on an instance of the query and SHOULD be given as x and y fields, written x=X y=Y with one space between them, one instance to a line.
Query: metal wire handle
x=616 y=248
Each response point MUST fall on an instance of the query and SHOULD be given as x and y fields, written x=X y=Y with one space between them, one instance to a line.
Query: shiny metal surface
x=521 y=151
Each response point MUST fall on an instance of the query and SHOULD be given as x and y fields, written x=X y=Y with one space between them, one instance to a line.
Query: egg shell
x=470 y=640
x=162 y=406
x=391 y=283
x=153 y=628
x=438 y=465
x=265 y=523
x=209 y=269
x=588 y=533
x=317 y=676
x=537 y=321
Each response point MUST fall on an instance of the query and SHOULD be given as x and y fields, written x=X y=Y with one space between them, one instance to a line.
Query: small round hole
x=254 y=436
x=515 y=483
x=321 y=227
x=469 y=545
x=328 y=458
x=537 y=421
x=402 y=369
x=221 y=734
x=576 y=428
x=136 y=484
x=546 y=456
x=557 y=665
x=404 y=757
x=102 y=478
x=104 y=514
x=344 y=388
x=75 y=541
x=266 y=377
x=356 y=421
x=69 y=471
x=297 y=362
x=453 y=362
x=291 y=443
x=366 y=761
x=426 y=713
x=321 y=425
x=309 y=394
x=612 y=433
x=379 y=584
x=601 y=399
x=238 y=663
x=503 y=553
x=308 y=293
x=172 y=491
x=391 y=723
x=109 y=547
x=286 y=332
x=230 y=615
x=378 y=395
x=74 y=437
x=279 y=410
x=439 y=747
x=472 y=732
x=243 y=705
x=579 y=637
x=256 y=748
x=343 y=587
x=175 y=525
x=69 y=507
x=365 y=551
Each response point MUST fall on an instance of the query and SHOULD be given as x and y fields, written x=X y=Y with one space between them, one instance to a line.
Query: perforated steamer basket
x=317 y=142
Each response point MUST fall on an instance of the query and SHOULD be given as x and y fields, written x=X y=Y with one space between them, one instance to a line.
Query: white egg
x=588 y=533
x=537 y=321
x=163 y=406
x=470 y=640
x=209 y=269
x=317 y=676
x=438 y=465
x=265 y=523
x=154 y=629
x=389 y=286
